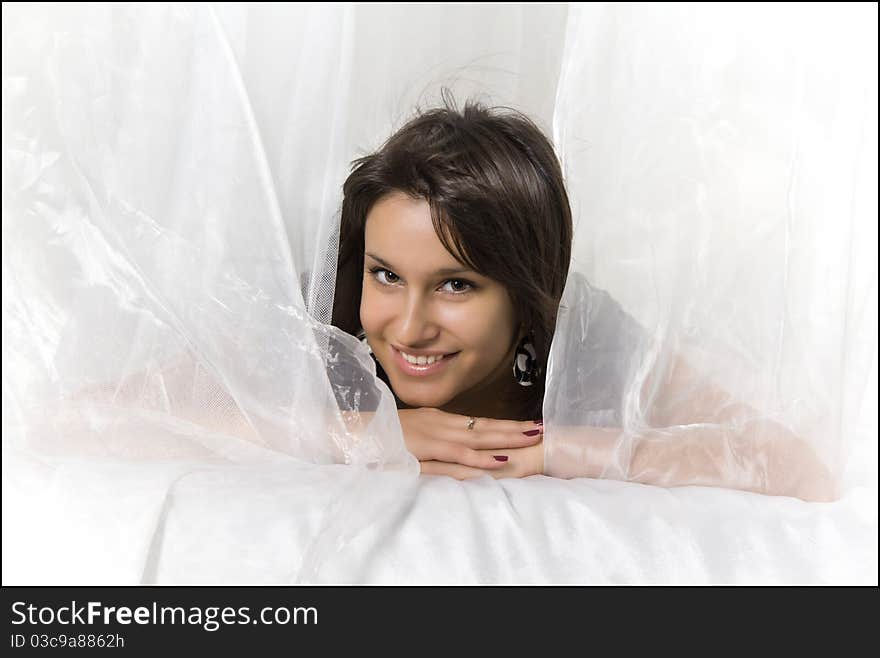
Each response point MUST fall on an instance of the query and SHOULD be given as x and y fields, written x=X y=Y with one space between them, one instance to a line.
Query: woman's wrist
x=593 y=452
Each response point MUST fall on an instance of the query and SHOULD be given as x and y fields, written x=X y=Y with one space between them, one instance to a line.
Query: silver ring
x=471 y=422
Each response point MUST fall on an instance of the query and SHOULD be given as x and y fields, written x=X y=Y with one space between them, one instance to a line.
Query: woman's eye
x=390 y=277
x=464 y=285
x=375 y=272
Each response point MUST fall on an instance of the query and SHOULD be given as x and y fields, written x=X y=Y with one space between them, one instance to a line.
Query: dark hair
x=497 y=200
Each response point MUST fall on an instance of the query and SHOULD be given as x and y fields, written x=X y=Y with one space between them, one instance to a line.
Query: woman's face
x=417 y=298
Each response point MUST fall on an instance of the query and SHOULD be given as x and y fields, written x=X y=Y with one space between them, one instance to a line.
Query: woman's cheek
x=376 y=311
x=370 y=311
x=478 y=328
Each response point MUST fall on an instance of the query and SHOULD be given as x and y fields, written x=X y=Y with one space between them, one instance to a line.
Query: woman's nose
x=417 y=323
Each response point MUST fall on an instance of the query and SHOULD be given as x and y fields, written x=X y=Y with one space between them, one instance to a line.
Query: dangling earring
x=525 y=363
x=362 y=336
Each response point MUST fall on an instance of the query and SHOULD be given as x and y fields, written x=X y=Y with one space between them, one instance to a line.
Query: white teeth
x=420 y=360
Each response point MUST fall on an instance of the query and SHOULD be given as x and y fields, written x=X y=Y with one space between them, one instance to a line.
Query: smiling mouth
x=421 y=370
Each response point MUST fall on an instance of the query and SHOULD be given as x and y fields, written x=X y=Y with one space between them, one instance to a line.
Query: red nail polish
x=500 y=458
x=532 y=432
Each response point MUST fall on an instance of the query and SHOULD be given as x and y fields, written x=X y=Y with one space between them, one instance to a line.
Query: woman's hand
x=444 y=446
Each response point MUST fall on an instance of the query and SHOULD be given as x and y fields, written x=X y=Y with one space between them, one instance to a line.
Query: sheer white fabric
x=721 y=162
x=171 y=188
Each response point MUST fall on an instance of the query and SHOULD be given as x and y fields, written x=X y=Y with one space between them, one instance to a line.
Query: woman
x=455 y=245
x=455 y=240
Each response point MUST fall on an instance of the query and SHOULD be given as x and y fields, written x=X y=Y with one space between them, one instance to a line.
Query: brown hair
x=497 y=200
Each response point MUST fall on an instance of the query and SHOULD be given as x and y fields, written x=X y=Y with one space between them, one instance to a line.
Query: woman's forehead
x=397 y=211
x=400 y=229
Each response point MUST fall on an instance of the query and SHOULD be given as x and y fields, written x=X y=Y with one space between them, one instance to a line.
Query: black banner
x=154 y=619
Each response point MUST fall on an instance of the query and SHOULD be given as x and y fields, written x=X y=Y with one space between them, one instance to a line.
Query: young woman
x=455 y=246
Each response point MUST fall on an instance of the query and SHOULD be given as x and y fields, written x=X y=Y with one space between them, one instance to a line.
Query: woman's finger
x=488 y=432
x=453 y=421
x=499 y=440
x=451 y=452
x=522 y=462
x=457 y=471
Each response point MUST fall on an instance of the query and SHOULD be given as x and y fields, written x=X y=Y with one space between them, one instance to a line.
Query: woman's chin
x=414 y=400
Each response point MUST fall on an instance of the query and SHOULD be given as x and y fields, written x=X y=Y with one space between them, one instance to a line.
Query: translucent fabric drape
x=171 y=188
x=153 y=312
x=722 y=165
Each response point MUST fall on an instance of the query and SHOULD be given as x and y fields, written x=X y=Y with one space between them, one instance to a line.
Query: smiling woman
x=455 y=240
x=455 y=244
x=416 y=312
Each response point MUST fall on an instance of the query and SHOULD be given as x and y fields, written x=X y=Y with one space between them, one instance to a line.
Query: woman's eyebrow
x=441 y=272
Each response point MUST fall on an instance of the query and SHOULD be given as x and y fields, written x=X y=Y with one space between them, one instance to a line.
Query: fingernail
x=500 y=458
x=540 y=423
x=532 y=432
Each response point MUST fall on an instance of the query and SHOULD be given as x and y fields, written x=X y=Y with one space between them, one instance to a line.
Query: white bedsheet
x=82 y=523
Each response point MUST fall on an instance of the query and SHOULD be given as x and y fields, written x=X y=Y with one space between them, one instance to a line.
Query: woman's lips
x=413 y=370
